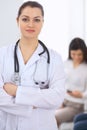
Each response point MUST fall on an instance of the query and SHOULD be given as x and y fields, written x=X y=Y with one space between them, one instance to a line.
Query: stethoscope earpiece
x=40 y=83
x=36 y=83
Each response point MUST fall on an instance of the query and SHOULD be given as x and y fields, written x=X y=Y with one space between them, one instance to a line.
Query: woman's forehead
x=29 y=11
x=76 y=51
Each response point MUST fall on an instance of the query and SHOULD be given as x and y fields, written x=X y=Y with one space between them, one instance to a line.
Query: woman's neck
x=76 y=64
x=27 y=48
x=28 y=43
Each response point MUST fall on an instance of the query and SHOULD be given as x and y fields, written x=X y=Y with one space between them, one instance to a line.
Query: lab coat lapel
x=20 y=60
x=35 y=56
x=32 y=60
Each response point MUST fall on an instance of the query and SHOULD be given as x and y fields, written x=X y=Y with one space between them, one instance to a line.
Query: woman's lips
x=30 y=30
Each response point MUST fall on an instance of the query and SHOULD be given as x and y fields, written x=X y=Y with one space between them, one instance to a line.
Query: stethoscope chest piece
x=16 y=79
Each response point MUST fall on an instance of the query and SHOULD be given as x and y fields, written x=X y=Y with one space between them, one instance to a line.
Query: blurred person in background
x=76 y=82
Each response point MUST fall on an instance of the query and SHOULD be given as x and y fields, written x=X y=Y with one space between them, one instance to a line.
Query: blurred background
x=64 y=20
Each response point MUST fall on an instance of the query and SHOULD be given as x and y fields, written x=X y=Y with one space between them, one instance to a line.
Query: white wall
x=55 y=30
x=64 y=20
x=8 y=26
x=85 y=20
x=76 y=18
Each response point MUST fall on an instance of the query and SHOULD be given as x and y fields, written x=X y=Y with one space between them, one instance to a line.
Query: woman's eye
x=37 y=20
x=25 y=20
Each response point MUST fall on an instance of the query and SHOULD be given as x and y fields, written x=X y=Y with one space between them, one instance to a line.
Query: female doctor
x=31 y=77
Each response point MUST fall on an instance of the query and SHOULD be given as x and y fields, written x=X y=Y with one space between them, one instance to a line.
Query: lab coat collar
x=33 y=58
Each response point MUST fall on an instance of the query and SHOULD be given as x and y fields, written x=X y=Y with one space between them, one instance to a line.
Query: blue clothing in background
x=80 y=122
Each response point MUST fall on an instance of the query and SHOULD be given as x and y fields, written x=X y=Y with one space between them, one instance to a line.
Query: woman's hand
x=76 y=93
x=10 y=88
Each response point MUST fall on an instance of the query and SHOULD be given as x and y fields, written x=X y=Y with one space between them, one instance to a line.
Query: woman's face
x=30 y=22
x=77 y=55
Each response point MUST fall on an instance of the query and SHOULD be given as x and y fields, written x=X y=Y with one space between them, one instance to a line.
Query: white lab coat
x=17 y=113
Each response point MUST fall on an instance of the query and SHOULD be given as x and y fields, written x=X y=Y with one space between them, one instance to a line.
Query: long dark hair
x=78 y=43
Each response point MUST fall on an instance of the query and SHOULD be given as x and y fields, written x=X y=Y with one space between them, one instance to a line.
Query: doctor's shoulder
x=5 y=50
x=56 y=59
x=55 y=56
x=56 y=69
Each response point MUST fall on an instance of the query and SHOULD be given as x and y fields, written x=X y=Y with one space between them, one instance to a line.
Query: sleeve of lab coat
x=50 y=98
x=7 y=103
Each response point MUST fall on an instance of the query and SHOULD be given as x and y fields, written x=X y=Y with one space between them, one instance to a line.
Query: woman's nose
x=30 y=23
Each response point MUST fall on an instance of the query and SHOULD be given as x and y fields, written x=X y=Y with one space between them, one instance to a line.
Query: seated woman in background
x=76 y=82
x=80 y=122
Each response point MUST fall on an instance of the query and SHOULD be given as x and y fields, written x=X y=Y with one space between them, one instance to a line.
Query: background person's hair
x=32 y=4
x=78 y=44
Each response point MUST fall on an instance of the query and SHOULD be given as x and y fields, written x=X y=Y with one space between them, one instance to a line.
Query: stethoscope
x=16 y=78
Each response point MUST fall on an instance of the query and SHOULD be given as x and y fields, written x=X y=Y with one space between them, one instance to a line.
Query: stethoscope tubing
x=16 y=63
